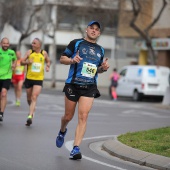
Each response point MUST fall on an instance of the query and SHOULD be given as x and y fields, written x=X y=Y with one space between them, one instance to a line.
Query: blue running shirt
x=85 y=72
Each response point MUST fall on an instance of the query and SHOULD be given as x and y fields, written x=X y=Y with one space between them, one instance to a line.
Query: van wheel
x=137 y=96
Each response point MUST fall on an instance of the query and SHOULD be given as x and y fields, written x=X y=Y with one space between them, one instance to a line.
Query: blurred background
x=134 y=32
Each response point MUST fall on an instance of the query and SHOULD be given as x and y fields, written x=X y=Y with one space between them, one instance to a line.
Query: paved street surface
x=33 y=148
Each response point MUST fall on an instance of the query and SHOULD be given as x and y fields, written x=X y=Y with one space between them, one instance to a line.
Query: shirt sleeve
x=69 y=51
x=102 y=56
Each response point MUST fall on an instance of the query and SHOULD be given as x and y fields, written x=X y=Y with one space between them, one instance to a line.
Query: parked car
x=138 y=81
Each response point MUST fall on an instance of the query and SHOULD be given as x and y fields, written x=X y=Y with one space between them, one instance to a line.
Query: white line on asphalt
x=128 y=111
x=69 y=146
x=140 y=113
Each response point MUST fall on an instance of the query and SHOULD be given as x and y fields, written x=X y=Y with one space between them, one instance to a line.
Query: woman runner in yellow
x=18 y=77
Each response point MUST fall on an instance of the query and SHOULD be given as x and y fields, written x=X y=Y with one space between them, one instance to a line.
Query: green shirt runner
x=6 y=59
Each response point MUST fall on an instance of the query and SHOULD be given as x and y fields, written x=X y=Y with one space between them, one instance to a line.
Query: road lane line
x=69 y=146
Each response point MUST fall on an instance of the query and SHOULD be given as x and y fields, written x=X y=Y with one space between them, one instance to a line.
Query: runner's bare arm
x=47 y=60
x=67 y=61
x=104 y=67
x=14 y=63
x=25 y=61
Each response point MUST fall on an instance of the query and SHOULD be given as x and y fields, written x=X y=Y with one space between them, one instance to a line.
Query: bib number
x=18 y=70
x=88 y=70
x=36 y=67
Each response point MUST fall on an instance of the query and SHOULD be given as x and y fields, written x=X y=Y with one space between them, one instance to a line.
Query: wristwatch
x=103 y=70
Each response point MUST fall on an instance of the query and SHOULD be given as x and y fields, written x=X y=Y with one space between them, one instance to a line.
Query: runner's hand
x=47 y=69
x=105 y=64
x=77 y=58
x=13 y=66
x=30 y=61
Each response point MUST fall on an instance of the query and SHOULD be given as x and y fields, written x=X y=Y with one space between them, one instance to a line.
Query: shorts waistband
x=81 y=86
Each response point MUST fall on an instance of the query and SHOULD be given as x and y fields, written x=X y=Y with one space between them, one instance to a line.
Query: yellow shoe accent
x=29 y=117
x=17 y=103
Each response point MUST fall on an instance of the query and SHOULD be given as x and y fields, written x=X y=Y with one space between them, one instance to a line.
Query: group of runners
x=86 y=60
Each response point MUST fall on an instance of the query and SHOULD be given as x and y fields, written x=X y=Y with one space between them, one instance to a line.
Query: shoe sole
x=76 y=157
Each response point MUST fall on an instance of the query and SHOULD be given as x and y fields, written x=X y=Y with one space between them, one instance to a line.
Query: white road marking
x=106 y=102
x=51 y=107
x=138 y=113
x=69 y=146
x=128 y=111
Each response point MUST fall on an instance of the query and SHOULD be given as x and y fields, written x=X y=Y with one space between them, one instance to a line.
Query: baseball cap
x=94 y=22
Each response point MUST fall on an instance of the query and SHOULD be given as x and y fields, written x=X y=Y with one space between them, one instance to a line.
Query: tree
x=22 y=17
x=142 y=22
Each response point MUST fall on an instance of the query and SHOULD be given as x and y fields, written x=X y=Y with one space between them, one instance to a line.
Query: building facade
x=159 y=33
x=66 y=20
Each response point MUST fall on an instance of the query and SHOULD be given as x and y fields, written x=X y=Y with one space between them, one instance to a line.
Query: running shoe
x=1 y=117
x=29 y=120
x=60 y=139
x=75 y=153
x=17 y=103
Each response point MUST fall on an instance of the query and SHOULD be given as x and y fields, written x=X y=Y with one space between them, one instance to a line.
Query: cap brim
x=94 y=22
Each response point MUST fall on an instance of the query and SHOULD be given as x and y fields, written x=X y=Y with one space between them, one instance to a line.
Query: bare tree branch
x=136 y=11
x=31 y=18
x=158 y=16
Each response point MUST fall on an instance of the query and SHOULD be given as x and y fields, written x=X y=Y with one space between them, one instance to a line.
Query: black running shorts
x=5 y=84
x=30 y=83
x=114 y=84
x=73 y=91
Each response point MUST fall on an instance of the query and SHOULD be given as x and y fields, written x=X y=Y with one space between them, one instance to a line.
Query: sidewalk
x=116 y=148
x=104 y=91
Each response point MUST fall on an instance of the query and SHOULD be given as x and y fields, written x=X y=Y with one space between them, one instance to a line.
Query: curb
x=118 y=149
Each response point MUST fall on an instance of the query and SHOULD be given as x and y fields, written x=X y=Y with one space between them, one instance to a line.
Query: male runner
x=35 y=60
x=85 y=58
x=7 y=64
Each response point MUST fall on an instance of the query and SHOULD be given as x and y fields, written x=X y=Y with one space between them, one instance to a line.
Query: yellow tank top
x=35 y=71
x=19 y=70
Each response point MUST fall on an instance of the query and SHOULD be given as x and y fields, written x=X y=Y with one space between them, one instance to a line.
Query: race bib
x=36 y=67
x=19 y=70
x=88 y=70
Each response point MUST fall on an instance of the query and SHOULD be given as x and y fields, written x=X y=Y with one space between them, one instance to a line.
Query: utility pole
x=53 y=47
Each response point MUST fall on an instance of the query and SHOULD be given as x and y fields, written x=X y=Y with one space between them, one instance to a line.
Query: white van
x=137 y=81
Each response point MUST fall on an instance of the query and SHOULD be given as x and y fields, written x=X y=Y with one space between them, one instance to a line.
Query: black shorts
x=73 y=91
x=30 y=83
x=114 y=84
x=5 y=84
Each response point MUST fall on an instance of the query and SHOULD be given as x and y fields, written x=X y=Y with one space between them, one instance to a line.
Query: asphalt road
x=33 y=148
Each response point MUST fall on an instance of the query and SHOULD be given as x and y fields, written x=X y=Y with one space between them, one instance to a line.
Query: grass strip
x=156 y=141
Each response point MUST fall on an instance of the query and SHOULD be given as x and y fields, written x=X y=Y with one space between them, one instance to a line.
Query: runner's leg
x=19 y=89
x=3 y=99
x=29 y=93
x=84 y=107
x=35 y=93
x=69 y=113
x=15 y=90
